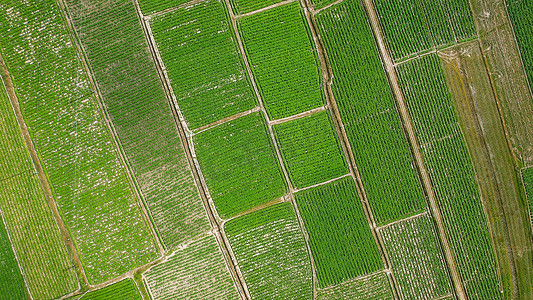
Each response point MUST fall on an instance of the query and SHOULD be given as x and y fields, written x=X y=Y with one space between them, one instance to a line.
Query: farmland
x=519 y=10
x=270 y=249
x=153 y=6
x=11 y=282
x=339 y=235
x=124 y=289
x=372 y=287
x=197 y=271
x=527 y=177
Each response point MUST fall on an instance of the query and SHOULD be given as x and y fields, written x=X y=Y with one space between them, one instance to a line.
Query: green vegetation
x=33 y=231
x=450 y=169
x=152 y=6
x=372 y=287
x=271 y=253
x=198 y=271
x=416 y=258
x=133 y=95
x=416 y=26
x=339 y=234
x=239 y=164
x=310 y=149
x=283 y=60
x=318 y=4
x=369 y=114
x=520 y=12
x=77 y=152
x=527 y=177
x=245 y=6
x=122 y=290
x=207 y=87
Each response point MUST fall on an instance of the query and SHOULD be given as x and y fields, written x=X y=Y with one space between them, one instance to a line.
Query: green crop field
x=113 y=41
x=372 y=287
x=416 y=257
x=246 y=6
x=339 y=234
x=369 y=114
x=527 y=177
x=122 y=290
x=67 y=129
x=153 y=6
x=11 y=282
x=310 y=149
x=283 y=60
x=451 y=172
x=318 y=4
x=240 y=167
x=198 y=271
x=271 y=253
x=417 y=26
x=520 y=12
x=207 y=87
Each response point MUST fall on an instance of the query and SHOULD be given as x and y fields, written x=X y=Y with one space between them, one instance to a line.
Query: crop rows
x=416 y=26
x=527 y=177
x=239 y=164
x=339 y=235
x=152 y=6
x=310 y=149
x=207 y=87
x=125 y=289
x=417 y=261
x=271 y=253
x=450 y=169
x=369 y=114
x=245 y=6
x=197 y=271
x=112 y=38
x=86 y=177
x=11 y=282
x=283 y=60
x=520 y=12
x=372 y=287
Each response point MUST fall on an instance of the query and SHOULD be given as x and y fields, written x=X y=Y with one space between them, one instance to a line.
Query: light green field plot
x=372 y=287
x=33 y=231
x=203 y=63
x=283 y=60
x=416 y=257
x=415 y=26
x=67 y=129
x=527 y=177
x=132 y=92
x=152 y=6
x=195 y=272
x=369 y=114
x=520 y=12
x=450 y=169
x=311 y=149
x=239 y=165
x=339 y=234
x=271 y=253
x=122 y=290
x=245 y=6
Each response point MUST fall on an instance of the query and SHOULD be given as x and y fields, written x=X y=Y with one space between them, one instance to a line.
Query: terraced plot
x=340 y=239
x=246 y=6
x=450 y=169
x=520 y=12
x=87 y=179
x=239 y=165
x=11 y=282
x=123 y=290
x=208 y=87
x=310 y=149
x=369 y=114
x=112 y=38
x=197 y=271
x=372 y=287
x=283 y=60
x=271 y=253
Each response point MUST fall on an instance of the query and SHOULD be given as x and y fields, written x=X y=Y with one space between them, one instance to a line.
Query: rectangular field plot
x=527 y=177
x=339 y=234
x=152 y=6
x=369 y=114
x=372 y=287
x=271 y=253
x=11 y=282
x=195 y=272
x=122 y=290
x=451 y=172
x=416 y=257
x=283 y=60
x=112 y=38
x=239 y=165
x=87 y=179
x=415 y=26
x=520 y=12
x=246 y=6
x=203 y=63
x=311 y=149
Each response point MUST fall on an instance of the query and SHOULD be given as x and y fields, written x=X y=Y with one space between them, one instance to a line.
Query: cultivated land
x=527 y=177
x=520 y=12
x=125 y=289
x=371 y=287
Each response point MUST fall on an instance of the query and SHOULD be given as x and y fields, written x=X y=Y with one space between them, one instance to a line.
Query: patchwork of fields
x=263 y=149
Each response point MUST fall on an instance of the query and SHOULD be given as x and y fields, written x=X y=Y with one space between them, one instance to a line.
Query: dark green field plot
x=151 y=6
x=123 y=290
x=339 y=234
x=372 y=287
x=369 y=114
x=283 y=60
x=317 y=4
x=520 y=12
x=527 y=177
x=11 y=282
x=203 y=63
x=239 y=164
x=310 y=149
x=271 y=253
x=245 y=6
x=416 y=26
